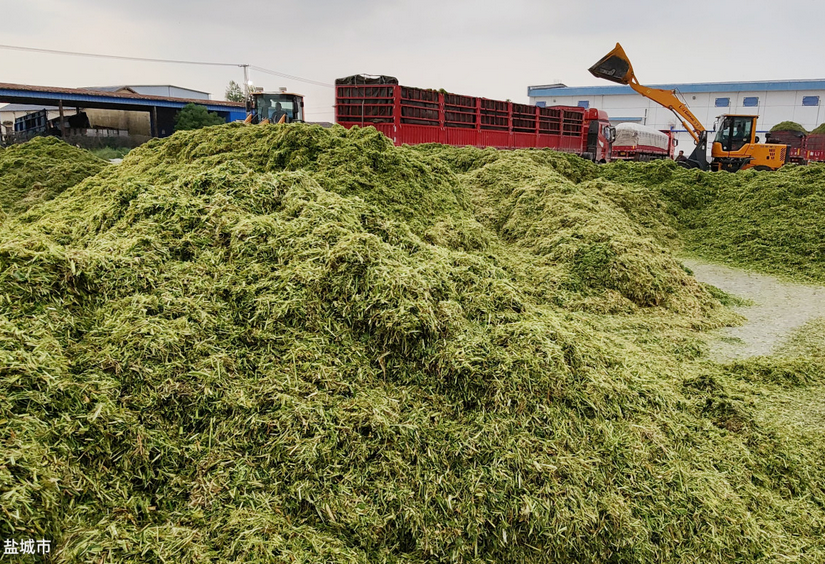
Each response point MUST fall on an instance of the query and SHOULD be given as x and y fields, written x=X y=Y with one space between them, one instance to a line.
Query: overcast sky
x=480 y=48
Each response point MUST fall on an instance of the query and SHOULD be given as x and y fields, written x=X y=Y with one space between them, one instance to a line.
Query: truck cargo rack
x=410 y=115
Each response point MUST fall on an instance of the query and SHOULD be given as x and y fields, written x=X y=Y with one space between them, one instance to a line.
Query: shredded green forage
x=284 y=343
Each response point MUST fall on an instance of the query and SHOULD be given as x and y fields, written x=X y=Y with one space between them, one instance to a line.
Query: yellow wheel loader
x=735 y=146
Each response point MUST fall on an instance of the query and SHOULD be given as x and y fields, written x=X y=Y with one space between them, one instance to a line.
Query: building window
x=810 y=100
x=750 y=101
x=541 y=104
x=722 y=102
x=584 y=104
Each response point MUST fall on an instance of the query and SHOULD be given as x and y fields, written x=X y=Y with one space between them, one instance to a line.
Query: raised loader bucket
x=615 y=66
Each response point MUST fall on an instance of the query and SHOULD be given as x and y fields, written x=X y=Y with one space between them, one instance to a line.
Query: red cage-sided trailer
x=802 y=148
x=815 y=147
x=411 y=116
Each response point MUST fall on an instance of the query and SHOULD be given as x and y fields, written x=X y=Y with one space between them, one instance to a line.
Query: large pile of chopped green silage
x=819 y=129
x=39 y=170
x=767 y=220
x=290 y=344
x=788 y=126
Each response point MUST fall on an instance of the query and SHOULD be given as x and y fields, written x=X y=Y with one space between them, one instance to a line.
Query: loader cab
x=736 y=146
x=734 y=132
x=276 y=105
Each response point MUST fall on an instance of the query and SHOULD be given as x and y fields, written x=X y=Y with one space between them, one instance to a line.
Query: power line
x=291 y=77
x=118 y=57
x=172 y=61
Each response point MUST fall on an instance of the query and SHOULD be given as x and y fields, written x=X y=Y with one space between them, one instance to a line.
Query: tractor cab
x=277 y=107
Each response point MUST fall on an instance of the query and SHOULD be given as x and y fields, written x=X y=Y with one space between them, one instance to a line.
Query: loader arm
x=668 y=99
x=616 y=67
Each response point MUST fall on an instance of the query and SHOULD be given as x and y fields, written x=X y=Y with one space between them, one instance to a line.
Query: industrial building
x=136 y=112
x=163 y=90
x=773 y=101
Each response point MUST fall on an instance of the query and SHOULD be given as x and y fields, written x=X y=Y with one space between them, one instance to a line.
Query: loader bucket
x=615 y=67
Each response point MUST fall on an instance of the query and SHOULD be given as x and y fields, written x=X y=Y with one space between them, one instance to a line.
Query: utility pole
x=245 y=80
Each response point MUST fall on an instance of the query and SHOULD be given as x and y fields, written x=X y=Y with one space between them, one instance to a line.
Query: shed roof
x=26 y=108
x=133 y=86
x=50 y=95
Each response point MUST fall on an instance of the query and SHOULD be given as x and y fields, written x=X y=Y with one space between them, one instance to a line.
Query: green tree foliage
x=193 y=116
x=234 y=92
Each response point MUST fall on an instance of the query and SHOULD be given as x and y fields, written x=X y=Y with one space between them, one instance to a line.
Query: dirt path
x=780 y=308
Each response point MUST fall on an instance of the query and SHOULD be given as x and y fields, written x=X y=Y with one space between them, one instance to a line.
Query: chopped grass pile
x=39 y=170
x=765 y=220
x=289 y=344
x=601 y=235
x=107 y=153
x=788 y=126
x=819 y=129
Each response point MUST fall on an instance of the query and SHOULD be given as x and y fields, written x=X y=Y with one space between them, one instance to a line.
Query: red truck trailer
x=636 y=142
x=802 y=148
x=815 y=147
x=409 y=115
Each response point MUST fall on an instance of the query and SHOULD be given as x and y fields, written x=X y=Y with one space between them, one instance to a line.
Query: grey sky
x=481 y=48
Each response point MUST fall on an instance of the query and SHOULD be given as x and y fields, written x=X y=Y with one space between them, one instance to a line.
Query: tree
x=194 y=116
x=234 y=92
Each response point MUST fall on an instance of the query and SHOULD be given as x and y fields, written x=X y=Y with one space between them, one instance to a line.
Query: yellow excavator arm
x=616 y=67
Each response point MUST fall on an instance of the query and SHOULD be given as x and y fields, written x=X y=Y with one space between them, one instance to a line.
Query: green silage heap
x=285 y=343
x=39 y=170
x=767 y=220
x=789 y=126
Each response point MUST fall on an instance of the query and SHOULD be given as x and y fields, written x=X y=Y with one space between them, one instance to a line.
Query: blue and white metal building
x=161 y=110
x=772 y=100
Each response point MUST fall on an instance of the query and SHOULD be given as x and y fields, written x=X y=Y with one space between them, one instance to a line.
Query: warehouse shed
x=122 y=110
